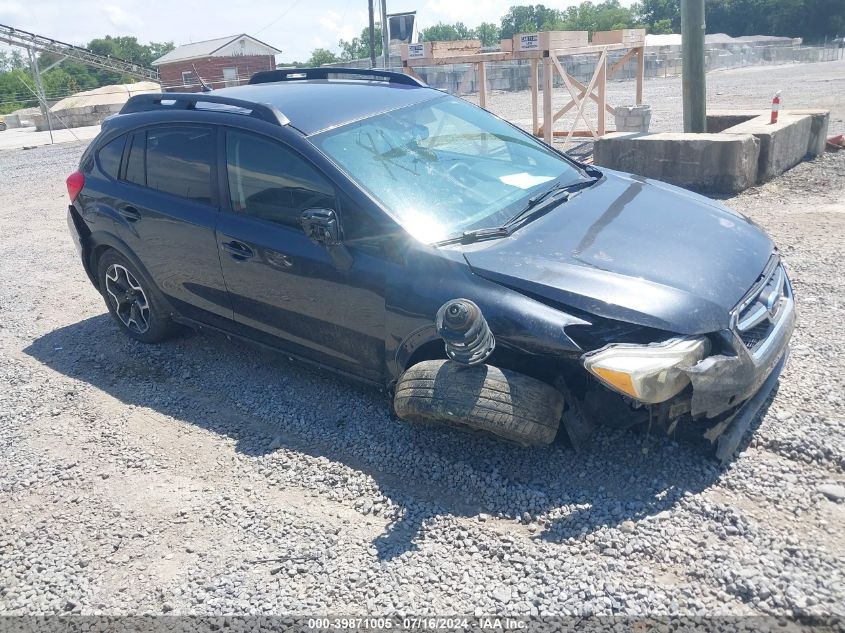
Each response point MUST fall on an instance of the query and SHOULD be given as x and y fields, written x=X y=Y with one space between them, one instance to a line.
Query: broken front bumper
x=742 y=381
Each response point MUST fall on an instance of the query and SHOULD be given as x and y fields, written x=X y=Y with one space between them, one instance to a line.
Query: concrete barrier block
x=782 y=145
x=633 y=118
x=721 y=120
x=717 y=163
x=818 y=129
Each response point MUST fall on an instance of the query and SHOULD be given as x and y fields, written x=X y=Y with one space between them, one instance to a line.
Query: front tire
x=131 y=301
x=498 y=401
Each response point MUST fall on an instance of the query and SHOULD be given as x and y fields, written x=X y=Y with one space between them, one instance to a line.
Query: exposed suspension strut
x=468 y=338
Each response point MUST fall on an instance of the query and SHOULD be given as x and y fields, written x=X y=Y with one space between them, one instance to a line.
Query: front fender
x=519 y=323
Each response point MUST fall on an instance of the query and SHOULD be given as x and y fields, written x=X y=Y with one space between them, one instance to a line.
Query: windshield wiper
x=537 y=204
x=476 y=235
x=547 y=199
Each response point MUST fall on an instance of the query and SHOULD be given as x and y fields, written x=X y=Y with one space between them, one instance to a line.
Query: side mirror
x=322 y=228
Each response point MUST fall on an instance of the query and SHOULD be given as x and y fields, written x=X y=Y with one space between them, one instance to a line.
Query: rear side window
x=179 y=161
x=135 y=169
x=109 y=156
x=269 y=181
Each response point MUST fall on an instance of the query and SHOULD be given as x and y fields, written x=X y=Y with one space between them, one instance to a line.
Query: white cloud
x=11 y=10
x=122 y=19
x=470 y=13
x=335 y=23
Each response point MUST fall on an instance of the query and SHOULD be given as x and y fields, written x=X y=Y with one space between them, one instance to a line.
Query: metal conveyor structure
x=31 y=41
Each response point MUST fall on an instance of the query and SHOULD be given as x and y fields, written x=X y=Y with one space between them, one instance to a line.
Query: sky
x=295 y=26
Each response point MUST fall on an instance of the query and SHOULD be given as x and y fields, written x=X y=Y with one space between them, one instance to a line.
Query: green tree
x=11 y=60
x=654 y=12
x=530 y=18
x=604 y=16
x=661 y=27
x=320 y=56
x=359 y=47
x=130 y=49
x=14 y=93
x=71 y=76
x=488 y=33
x=441 y=32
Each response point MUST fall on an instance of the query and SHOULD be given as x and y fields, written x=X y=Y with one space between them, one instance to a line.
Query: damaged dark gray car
x=369 y=224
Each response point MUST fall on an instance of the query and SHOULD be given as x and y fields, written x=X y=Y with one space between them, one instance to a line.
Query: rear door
x=285 y=289
x=170 y=210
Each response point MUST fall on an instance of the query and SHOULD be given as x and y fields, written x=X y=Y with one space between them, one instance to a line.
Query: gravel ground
x=203 y=476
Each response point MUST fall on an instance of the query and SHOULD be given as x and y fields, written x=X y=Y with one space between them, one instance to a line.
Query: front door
x=286 y=290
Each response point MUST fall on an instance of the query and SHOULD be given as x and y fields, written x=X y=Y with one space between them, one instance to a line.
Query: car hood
x=635 y=250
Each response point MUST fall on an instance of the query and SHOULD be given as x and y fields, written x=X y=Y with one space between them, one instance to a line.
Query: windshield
x=444 y=166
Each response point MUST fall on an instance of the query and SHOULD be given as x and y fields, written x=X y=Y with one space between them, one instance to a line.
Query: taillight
x=75 y=183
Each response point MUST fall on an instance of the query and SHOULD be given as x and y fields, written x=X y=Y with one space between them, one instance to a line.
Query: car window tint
x=358 y=226
x=135 y=160
x=179 y=161
x=109 y=156
x=268 y=181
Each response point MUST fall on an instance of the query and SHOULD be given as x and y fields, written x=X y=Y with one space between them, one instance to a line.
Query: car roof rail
x=151 y=102
x=300 y=74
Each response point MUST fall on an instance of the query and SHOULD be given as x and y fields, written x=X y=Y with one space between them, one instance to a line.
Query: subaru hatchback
x=369 y=224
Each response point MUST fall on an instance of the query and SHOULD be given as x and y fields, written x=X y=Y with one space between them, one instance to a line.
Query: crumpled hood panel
x=635 y=250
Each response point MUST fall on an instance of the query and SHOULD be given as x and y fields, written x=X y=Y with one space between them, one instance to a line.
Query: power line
x=284 y=13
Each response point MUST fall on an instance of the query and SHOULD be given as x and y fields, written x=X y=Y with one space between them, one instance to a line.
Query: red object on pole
x=775 y=108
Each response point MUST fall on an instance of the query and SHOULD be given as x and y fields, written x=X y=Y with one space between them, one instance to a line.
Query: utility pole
x=692 y=49
x=385 y=35
x=39 y=89
x=372 y=37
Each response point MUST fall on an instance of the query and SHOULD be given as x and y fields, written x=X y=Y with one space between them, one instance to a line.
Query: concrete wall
x=77 y=117
x=660 y=61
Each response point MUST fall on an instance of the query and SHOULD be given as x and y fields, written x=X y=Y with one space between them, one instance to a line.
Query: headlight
x=649 y=373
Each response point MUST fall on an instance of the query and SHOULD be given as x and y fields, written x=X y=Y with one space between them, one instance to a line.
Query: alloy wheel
x=129 y=299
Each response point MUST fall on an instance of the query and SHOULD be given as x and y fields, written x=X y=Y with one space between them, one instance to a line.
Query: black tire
x=150 y=325
x=498 y=401
x=2 y=127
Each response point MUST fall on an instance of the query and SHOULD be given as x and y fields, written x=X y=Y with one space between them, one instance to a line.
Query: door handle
x=238 y=250
x=130 y=213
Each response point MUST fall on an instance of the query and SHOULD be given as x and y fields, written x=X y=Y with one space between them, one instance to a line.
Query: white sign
x=529 y=42
x=416 y=51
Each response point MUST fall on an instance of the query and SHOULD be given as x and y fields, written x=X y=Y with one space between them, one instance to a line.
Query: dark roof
x=316 y=105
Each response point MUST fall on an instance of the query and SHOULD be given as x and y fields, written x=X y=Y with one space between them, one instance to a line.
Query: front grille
x=756 y=316
x=756 y=335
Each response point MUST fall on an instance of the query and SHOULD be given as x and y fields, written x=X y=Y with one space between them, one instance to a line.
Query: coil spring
x=467 y=336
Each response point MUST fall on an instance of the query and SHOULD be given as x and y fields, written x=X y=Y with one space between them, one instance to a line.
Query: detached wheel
x=499 y=401
x=130 y=302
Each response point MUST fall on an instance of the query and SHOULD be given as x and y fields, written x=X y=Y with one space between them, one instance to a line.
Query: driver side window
x=270 y=182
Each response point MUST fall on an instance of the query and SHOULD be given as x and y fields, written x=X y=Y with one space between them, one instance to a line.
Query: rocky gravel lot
x=203 y=476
